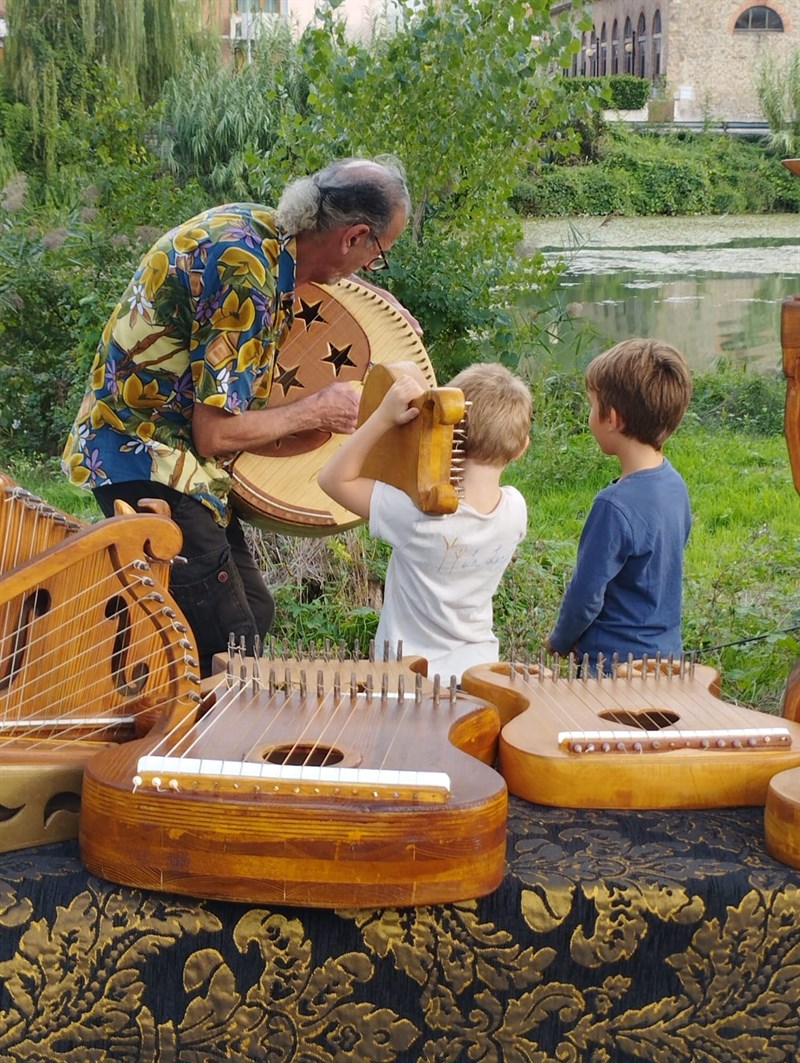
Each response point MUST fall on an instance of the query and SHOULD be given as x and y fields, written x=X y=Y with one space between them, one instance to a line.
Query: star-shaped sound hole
x=287 y=378
x=310 y=314
x=339 y=357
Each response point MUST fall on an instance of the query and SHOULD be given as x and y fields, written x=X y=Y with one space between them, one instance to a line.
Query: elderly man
x=182 y=374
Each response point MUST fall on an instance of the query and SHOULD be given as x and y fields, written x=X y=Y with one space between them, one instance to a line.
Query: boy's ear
x=525 y=446
x=615 y=421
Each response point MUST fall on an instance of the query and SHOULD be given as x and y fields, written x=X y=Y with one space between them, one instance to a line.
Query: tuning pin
x=353 y=686
x=601 y=666
x=614 y=664
x=670 y=665
x=384 y=686
x=453 y=689
x=337 y=686
x=258 y=646
x=342 y=650
x=585 y=669
x=371 y=651
x=368 y=686
x=326 y=650
x=303 y=684
x=356 y=650
x=399 y=650
x=386 y=649
x=401 y=688
x=437 y=682
x=287 y=681
x=320 y=683
x=658 y=666
x=645 y=666
x=629 y=675
x=273 y=683
x=418 y=688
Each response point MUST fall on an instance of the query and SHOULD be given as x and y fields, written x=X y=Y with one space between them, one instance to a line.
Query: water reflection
x=711 y=286
x=707 y=316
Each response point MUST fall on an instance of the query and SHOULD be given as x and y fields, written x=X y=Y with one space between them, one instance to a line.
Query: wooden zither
x=650 y=735
x=423 y=458
x=339 y=332
x=92 y=651
x=310 y=781
x=782 y=808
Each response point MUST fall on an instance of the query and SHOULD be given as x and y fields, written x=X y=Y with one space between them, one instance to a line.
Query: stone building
x=701 y=54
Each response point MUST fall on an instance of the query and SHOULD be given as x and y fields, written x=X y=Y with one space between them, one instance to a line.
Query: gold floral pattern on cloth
x=668 y=936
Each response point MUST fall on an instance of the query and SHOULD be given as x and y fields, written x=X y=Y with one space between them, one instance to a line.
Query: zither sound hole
x=646 y=720
x=305 y=755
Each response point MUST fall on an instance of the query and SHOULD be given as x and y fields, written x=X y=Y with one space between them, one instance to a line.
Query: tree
x=57 y=51
x=778 y=86
x=465 y=93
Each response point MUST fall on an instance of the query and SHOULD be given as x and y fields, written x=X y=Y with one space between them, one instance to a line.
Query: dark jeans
x=220 y=589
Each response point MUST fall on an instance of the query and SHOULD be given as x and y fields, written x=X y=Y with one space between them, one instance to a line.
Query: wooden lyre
x=339 y=332
x=423 y=458
x=782 y=809
x=315 y=781
x=653 y=734
x=92 y=651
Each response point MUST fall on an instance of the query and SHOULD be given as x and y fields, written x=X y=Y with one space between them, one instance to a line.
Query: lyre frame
x=422 y=457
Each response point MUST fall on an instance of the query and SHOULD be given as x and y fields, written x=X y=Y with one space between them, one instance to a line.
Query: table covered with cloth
x=615 y=936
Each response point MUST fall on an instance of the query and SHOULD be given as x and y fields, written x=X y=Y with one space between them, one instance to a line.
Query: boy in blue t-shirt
x=625 y=594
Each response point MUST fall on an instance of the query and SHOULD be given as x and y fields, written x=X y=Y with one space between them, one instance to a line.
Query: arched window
x=615 y=48
x=641 y=47
x=603 y=50
x=629 y=44
x=656 y=37
x=759 y=18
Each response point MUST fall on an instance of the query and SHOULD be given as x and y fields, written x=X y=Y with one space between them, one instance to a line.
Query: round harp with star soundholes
x=339 y=332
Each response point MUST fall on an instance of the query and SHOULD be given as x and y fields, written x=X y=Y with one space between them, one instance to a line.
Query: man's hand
x=337 y=408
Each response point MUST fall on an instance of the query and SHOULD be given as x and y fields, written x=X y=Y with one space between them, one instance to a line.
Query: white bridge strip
x=667 y=736
x=173 y=767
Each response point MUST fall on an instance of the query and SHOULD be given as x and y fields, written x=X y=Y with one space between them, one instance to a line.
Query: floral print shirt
x=201 y=321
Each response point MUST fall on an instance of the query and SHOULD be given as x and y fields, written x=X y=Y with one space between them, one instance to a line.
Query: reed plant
x=741 y=586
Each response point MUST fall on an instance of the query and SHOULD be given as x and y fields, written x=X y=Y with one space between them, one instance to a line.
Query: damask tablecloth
x=615 y=936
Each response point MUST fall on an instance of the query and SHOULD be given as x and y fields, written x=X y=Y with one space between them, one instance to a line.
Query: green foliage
x=778 y=87
x=735 y=399
x=61 y=52
x=622 y=92
x=218 y=123
x=640 y=173
x=61 y=273
x=422 y=92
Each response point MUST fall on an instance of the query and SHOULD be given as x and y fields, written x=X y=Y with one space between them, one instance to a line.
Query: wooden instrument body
x=782 y=817
x=339 y=332
x=297 y=843
x=416 y=457
x=790 y=344
x=92 y=649
x=540 y=768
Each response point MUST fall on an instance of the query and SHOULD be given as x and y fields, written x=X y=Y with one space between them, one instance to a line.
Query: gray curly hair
x=347 y=192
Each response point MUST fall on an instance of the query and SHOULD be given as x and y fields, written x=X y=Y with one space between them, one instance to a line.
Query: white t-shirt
x=442 y=575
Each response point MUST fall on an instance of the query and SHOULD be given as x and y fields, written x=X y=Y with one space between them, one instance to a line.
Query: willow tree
x=57 y=47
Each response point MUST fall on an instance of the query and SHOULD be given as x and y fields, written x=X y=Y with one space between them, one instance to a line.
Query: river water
x=711 y=286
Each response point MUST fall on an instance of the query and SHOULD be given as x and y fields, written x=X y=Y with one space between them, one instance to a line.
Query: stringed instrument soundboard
x=307 y=781
x=92 y=649
x=652 y=735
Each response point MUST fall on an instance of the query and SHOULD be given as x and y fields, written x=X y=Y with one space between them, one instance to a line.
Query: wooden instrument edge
x=782 y=817
x=675 y=779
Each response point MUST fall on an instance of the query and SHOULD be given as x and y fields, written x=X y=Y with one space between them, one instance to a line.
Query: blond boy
x=444 y=570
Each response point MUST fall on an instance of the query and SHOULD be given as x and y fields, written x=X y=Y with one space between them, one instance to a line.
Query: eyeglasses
x=380 y=261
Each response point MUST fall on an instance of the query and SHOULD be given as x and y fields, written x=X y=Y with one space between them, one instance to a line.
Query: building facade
x=702 y=54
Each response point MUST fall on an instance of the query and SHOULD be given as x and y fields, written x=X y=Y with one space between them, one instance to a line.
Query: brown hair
x=499 y=414
x=647 y=382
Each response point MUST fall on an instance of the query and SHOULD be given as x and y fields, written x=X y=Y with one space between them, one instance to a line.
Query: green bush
x=621 y=92
x=566 y=191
